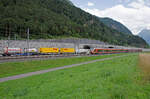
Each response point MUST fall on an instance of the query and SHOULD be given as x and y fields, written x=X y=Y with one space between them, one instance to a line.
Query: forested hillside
x=57 y=18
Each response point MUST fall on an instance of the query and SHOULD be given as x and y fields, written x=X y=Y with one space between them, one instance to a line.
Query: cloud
x=90 y=4
x=135 y=15
x=137 y=4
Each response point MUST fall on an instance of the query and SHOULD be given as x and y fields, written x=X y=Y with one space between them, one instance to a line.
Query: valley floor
x=119 y=78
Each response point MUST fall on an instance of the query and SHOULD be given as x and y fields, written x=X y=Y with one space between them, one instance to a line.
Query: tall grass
x=144 y=64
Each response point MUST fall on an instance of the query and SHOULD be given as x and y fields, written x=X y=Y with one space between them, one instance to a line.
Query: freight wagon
x=49 y=50
x=30 y=51
x=83 y=51
x=11 y=51
x=67 y=50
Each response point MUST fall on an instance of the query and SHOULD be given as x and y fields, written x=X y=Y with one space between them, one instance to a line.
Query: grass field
x=111 y=79
x=14 y=68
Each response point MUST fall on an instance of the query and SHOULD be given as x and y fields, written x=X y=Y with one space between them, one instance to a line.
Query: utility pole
x=8 y=42
x=28 y=41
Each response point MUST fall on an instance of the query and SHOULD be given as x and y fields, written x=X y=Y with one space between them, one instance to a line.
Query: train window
x=108 y=50
x=105 y=50
x=112 y=50
x=115 y=50
x=100 y=50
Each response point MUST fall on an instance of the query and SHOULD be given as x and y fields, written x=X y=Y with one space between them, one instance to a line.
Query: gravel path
x=53 y=69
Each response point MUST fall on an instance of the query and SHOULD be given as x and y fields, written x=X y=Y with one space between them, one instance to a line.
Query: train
x=110 y=51
x=47 y=51
x=36 y=51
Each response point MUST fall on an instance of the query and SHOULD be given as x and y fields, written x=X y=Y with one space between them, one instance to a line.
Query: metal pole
x=8 y=41
x=28 y=41
x=9 y=37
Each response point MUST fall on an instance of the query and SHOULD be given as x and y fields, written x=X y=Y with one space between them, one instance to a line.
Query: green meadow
x=111 y=79
x=14 y=68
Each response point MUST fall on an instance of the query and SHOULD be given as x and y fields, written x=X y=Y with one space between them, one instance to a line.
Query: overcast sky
x=134 y=14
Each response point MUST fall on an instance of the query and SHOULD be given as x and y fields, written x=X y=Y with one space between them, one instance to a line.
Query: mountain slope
x=115 y=25
x=57 y=18
x=145 y=34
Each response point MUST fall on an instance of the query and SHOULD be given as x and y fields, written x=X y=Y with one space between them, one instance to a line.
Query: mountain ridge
x=115 y=25
x=145 y=34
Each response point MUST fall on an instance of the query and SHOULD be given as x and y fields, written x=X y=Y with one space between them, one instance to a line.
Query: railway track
x=37 y=57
